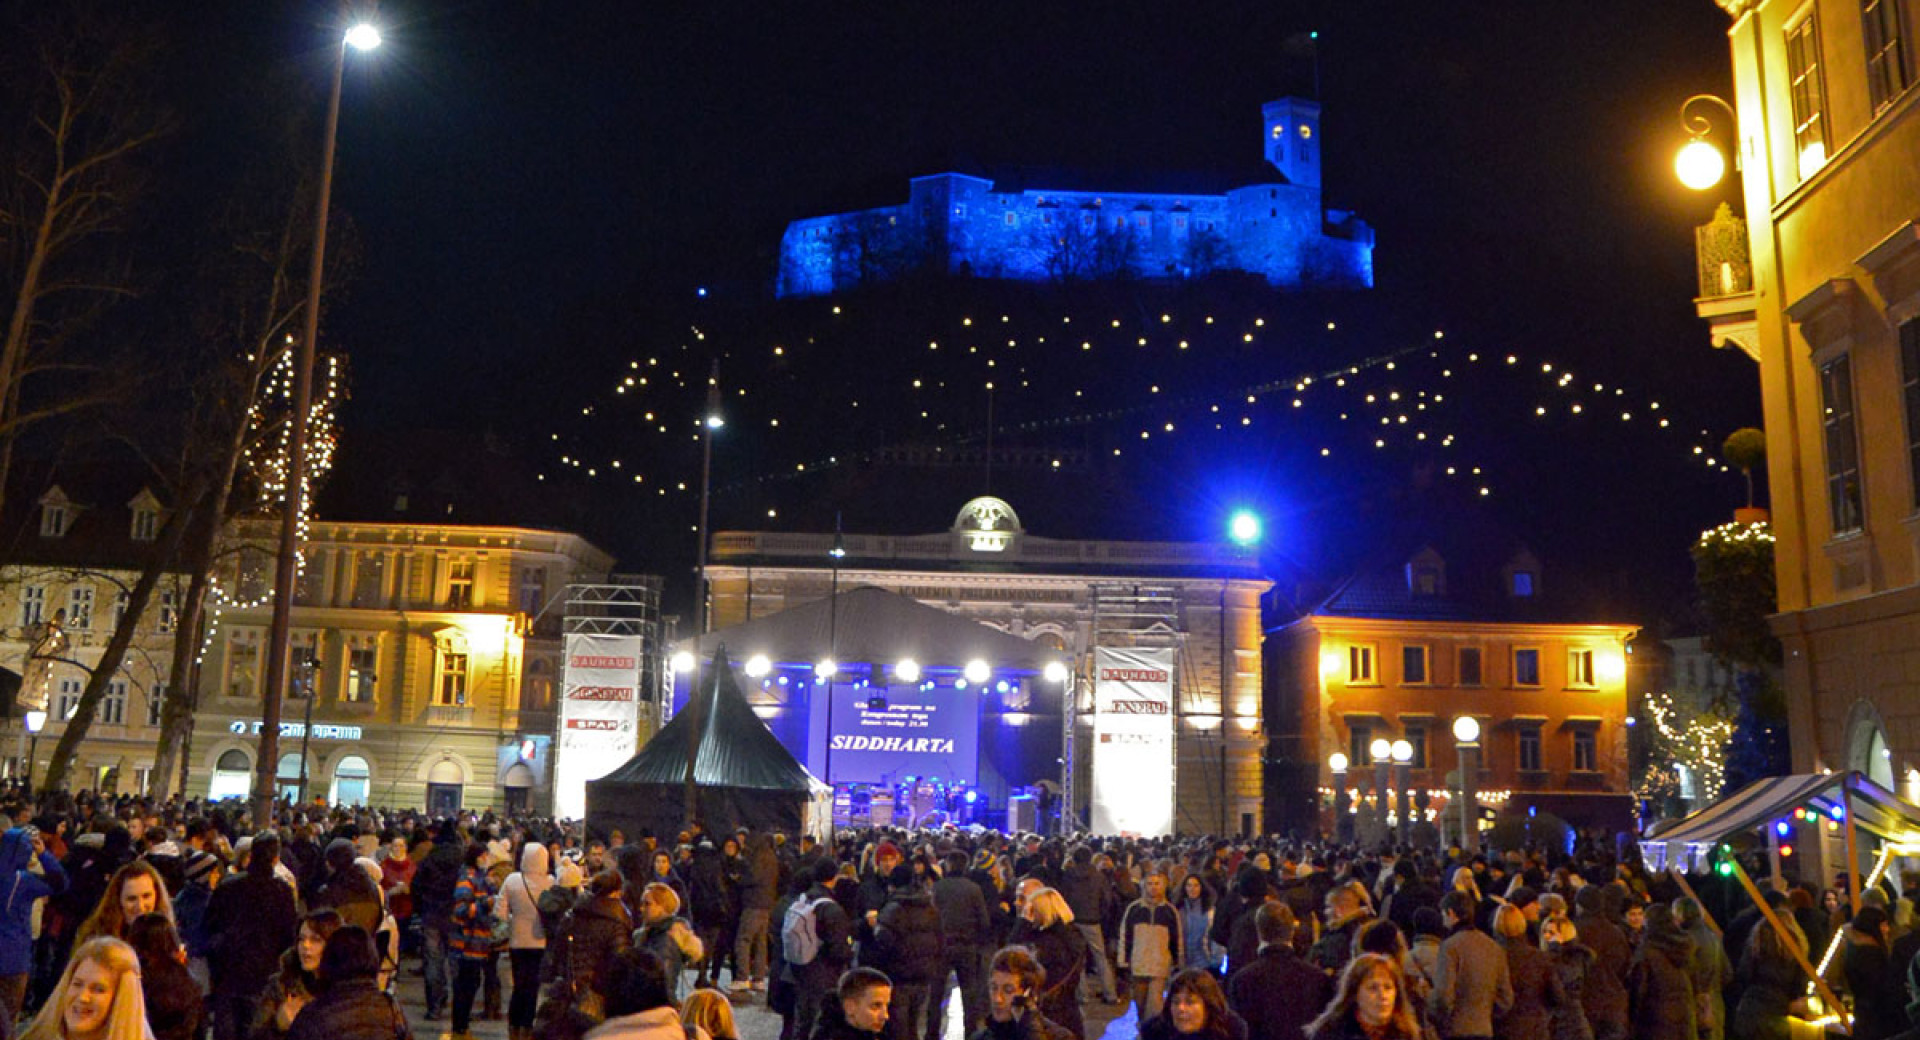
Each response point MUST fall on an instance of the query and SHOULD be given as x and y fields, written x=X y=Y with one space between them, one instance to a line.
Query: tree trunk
x=183 y=695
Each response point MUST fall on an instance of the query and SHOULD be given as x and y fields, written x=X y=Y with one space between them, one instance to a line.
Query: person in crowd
x=1195 y=1010
x=711 y=1012
x=1061 y=950
x=668 y=936
x=135 y=889
x=1014 y=979
x=1277 y=993
x=1772 y=986
x=1660 y=984
x=1150 y=946
x=706 y=882
x=818 y=915
x=1605 y=993
x=1089 y=894
x=294 y=986
x=1370 y=1003
x=343 y=886
x=175 y=1009
x=759 y=885
x=1572 y=963
x=251 y=918
x=1347 y=910
x=397 y=869
x=350 y=1004
x=1878 y=988
x=909 y=944
x=433 y=883
x=665 y=873
x=1536 y=986
x=967 y=931
x=21 y=848
x=527 y=936
x=1411 y=893
x=98 y=997
x=473 y=943
x=639 y=1003
x=1710 y=970
x=859 y=1008
x=1473 y=985
x=1423 y=953
x=590 y=936
x=1196 y=920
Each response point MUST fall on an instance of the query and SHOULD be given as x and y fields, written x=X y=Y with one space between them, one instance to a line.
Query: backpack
x=800 y=933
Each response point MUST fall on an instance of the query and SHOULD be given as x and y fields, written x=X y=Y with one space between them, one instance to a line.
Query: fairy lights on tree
x=1684 y=737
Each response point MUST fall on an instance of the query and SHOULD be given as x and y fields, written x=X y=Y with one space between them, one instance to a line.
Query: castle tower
x=1291 y=133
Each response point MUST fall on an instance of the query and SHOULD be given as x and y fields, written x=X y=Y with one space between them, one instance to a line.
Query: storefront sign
x=1133 y=742
x=599 y=714
x=922 y=733
x=321 y=730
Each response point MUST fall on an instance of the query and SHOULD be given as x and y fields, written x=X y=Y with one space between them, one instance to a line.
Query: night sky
x=536 y=189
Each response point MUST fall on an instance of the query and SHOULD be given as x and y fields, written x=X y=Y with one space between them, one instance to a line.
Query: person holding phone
x=1013 y=980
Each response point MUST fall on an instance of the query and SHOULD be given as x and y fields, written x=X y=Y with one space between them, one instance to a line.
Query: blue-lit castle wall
x=957 y=223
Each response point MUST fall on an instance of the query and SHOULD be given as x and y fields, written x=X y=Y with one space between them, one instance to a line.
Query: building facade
x=1827 y=302
x=434 y=655
x=1400 y=651
x=1274 y=227
x=1200 y=600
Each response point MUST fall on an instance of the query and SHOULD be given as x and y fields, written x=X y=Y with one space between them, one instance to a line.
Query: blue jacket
x=16 y=905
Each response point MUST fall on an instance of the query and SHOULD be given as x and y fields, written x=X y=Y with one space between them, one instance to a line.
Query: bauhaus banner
x=599 y=715
x=1132 y=741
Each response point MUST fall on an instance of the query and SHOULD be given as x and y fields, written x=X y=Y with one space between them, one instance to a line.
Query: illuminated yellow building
x=437 y=651
x=1825 y=296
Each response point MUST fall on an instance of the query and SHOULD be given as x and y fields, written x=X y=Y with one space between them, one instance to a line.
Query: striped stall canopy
x=1876 y=811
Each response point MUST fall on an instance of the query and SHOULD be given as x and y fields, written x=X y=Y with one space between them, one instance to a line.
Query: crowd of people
x=131 y=921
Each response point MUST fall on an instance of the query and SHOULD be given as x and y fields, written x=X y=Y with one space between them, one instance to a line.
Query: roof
x=99 y=498
x=1875 y=809
x=874 y=624
x=731 y=746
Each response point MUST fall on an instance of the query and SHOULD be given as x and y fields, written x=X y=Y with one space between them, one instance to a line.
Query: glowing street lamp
x=1381 y=751
x=1699 y=164
x=1466 y=731
x=1402 y=799
x=1342 y=826
x=363 y=37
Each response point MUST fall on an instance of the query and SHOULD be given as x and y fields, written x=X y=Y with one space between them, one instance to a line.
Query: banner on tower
x=599 y=715
x=1132 y=742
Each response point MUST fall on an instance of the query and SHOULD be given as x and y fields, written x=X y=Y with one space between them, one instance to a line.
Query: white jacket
x=520 y=895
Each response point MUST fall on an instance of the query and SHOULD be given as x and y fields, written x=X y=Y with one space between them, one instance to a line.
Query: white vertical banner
x=1132 y=742
x=599 y=715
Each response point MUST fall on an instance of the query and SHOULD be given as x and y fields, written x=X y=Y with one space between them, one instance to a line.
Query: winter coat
x=89 y=868
x=1605 y=994
x=174 y=1003
x=963 y=914
x=909 y=942
x=435 y=878
x=522 y=893
x=661 y=1023
x=1711 y=974
x=1349 y=1028
x=251 y=919
x=672 y=940
x=1150 y=940
x=1768 y=987
x=1278 y=994
x=1573 y=962
x=760 y=882
x=833 y=1025
x=351 y=1009
x=1062 y=951
x=1879 y=996
x=23 y=888
x=347 y=889
x=1407 y=899
x=1659 y=990
x=706 y=888
x=573 y=972
x=835 y=931
x=1536 y=993
x=1030 y=1026
x=1087 y=892
x=473 y=916
x=1335 y=947
x=1160 y=1027
x=1473 y=985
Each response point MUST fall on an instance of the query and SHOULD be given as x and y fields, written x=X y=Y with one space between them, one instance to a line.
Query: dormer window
x=53 y=520
x=1426 y=582
x=1522 y=585
x=146 y=525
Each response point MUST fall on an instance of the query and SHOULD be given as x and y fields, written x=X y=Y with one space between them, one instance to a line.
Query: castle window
x=1278 y=130
x=1306 y=132
x=1013 y=219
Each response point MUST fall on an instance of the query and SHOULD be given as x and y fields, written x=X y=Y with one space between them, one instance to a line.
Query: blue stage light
x=972 y=796
x=1244 y=528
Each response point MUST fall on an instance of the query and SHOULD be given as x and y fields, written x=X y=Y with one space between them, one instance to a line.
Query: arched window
x=232 y=776
x=351 y=781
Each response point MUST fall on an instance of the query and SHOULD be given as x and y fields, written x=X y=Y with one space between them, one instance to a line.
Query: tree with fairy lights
x=1682 y=737
x=1733 y=574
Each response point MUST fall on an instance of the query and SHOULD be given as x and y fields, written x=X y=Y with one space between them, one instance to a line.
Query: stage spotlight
x=758 y=665
x=682 y=662
x=1055 y=672
x=908 y=670
x=978 y=671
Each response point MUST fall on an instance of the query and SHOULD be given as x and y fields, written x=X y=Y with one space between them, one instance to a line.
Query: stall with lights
x=1799 y=818
x=915 y=715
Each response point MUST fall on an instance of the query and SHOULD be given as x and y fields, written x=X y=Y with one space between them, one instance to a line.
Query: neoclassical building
x=1200 y=600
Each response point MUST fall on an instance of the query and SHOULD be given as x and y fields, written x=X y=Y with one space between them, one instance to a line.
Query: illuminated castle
x=957 y=223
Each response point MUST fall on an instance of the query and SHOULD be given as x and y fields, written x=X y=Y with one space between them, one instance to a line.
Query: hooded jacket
x=347 y=888
x=522 y=891
x=23 y=887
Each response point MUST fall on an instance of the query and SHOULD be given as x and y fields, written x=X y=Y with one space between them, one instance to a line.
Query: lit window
x=1526 y=667
x=361 y=660
x=1278 y=131
x=80 y=607
x=1529 y=749
x=33 y=605
x=460 y=585
x=1808 y=93
x=1579 y=668
x=1844 y=507
x=120 y=601
x=146 y=525
x=1413 y=665
x=1013 y=220
x=1360 y=743
x=1359 y=664
x=451 y=691
x=1522 y=584
x=1470 y=666
x=1586 y=756
x=1886 y=53
x=1306 y=132
x=243 y=664
x=533 y=591
x=169 y=610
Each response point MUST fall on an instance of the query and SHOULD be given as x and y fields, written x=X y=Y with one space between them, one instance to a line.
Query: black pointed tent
x=743 y=776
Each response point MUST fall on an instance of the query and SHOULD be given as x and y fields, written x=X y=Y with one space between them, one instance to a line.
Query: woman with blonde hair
x=710 y=1010
x=135 y=889
x=1062 y=952
x=98 y=997
x=1371 y=1003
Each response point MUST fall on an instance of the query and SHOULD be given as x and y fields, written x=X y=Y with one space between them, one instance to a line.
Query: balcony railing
x=1726 y=268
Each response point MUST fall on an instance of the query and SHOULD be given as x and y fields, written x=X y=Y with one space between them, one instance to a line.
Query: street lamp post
x=36 y=721
x=360 y=37
x=1699 y=164
x=710 y=423
x=1402 y=764
x=1466 y=730
x=1382 y=752
x=1342 y=829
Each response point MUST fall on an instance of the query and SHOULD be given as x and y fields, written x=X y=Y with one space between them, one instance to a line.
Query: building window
x=69 y=700
x=1470 y=666
x=80 y=607
x=113 y=707
x=1808 y=93
x=460 y=585
x=1580 y=668
x=169 y=610
x=1529 y=749
x=1180 y=222
x=361 y=660
x=1417 y=736
x=533 y=591
x=1910 y=388
x=243 y=664
x=1522 y=584
x=53 y=521
x=1586 y=756
x=960 y=210
x=451 y=691
x=1526 y=667
x=1013 y=220
x=1413 y=665
x=1360 y=743
x=1425 y=582
x=146 y=524
x=156 y=703
x=368 y=580
x=1886 y=53
x=120 y=601
x=33 y=605
x=1843 y=451
x=1359 y=665
x=303 y=659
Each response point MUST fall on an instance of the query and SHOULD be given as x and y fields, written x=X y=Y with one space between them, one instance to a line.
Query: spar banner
x=1132 y=742
x=599 y=715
